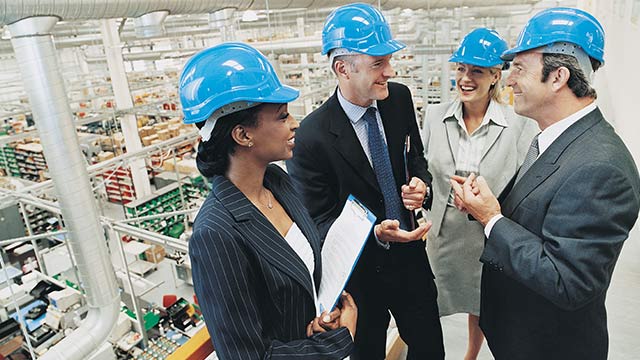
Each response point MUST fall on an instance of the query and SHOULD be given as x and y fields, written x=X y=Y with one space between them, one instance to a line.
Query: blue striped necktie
x=382 y=167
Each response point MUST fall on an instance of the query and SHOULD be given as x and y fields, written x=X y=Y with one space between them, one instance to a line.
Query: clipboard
x=341 y=250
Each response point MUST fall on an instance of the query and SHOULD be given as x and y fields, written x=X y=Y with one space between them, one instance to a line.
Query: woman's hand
x=325 y=322
x=349 y=314
x=345 y=317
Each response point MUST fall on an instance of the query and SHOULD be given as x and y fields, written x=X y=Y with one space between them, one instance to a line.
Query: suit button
x=378 y=269
x=500 y=268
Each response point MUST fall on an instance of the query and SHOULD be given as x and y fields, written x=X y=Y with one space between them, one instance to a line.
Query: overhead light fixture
x=249 y=15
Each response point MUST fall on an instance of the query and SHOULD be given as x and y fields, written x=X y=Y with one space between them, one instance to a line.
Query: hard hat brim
x=511 y=53
x=285 y=94
x=384 y=49
x=474 y=62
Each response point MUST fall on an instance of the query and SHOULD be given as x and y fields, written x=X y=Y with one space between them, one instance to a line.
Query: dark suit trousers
x=402 y=284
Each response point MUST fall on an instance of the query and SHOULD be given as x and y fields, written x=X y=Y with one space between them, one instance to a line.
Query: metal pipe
x=32 y=237
x=156 y=216
x=36 y=57
x=15 y=10
x=152 y=237
x=134 y=299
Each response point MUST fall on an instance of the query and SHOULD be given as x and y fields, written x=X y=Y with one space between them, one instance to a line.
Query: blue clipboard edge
x=372 y=219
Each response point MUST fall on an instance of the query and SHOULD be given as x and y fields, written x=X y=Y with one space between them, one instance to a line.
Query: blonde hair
x=495 y=91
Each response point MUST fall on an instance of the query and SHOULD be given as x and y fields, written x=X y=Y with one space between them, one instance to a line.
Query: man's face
x=367 y=78
x=531 y=95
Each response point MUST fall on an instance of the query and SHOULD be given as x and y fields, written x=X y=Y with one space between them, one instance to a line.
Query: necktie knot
x=370 y=115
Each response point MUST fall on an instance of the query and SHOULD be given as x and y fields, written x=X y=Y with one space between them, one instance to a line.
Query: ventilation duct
x=151 y=24
x=14 y=10
x=37 y=59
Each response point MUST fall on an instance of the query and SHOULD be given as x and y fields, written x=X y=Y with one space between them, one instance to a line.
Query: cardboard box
x=161 y=126
x=146 y=131
x=146 y=141
x=105 y=155
x=168 y=164
x=174 y=130
x=187 y=166
x=163 y=135
x=155 y=254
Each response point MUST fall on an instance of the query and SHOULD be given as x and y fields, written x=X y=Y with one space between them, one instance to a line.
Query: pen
x=407 y=148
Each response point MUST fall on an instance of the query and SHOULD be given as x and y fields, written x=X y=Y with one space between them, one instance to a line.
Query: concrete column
x=122 y=94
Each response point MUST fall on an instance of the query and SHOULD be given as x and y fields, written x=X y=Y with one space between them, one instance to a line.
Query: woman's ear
x=241 y=137
x=496 y=77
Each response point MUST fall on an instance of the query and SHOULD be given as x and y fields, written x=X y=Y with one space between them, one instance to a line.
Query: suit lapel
x=298 y=213
x=548 y=162
x=453 y=135
x=348 y=144
x=395 y=136
x=259 y=232
x=492 y=137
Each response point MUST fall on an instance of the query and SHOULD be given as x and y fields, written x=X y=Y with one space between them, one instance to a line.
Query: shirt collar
x=550 y=134
x=493 y=113
x=354 y=112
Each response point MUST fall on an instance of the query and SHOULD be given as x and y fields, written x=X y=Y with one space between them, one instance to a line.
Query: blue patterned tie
x=382 y=168
x=529 y=159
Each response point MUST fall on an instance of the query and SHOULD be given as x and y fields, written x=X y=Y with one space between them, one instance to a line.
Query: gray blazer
x=548 y=262
x=503 y=154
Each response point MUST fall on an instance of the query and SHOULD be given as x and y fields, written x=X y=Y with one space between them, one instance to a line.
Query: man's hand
x=389 y=231
x=457 y=200
x=413 y=194
x=476 y=198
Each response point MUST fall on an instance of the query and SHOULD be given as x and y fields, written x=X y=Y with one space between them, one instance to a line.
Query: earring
x=250 y=144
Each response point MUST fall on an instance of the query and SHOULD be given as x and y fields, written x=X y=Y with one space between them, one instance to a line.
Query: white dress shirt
x=355 y=113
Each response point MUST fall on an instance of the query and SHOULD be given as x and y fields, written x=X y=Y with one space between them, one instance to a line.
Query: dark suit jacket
x=329 y=163
x=254 y=291
x=548 y=263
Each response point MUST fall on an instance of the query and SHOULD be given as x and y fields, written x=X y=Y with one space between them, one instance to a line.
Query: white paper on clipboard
x=341 y=250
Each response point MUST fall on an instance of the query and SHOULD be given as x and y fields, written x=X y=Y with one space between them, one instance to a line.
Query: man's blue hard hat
x=361 y=28
x=561 y=24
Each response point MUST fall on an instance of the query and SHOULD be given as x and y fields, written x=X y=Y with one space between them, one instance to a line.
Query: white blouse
x=299 y=243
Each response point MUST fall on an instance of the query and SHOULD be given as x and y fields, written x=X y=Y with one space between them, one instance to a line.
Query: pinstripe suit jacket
x=254 y=291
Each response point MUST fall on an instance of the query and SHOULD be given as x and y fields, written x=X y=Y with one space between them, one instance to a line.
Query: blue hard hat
x=481 y=47
x=361 y=28
x=226 y=74
x=561 y=24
